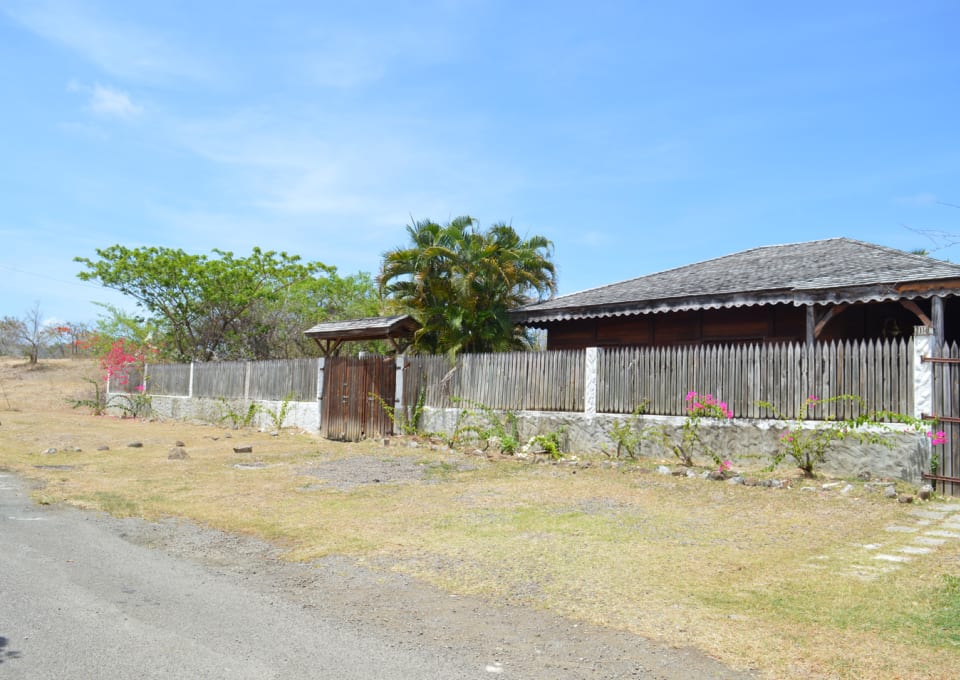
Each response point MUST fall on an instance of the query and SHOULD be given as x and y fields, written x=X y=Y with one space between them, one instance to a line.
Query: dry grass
x=758 y=577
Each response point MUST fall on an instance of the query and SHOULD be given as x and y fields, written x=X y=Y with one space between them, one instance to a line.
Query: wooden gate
x=946 y=409
x=351 y=407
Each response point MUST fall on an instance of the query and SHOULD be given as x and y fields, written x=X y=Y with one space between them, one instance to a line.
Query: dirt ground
x=527 y=643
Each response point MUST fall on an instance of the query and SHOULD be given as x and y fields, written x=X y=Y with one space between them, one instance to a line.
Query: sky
x=636 y=136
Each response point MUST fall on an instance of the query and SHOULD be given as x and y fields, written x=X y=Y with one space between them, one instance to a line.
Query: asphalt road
x=77 y=601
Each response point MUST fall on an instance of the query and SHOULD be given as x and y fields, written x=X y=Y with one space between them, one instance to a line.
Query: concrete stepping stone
x=901 y=529
x=891 y=558
x=944 y=534
x=914 y=550
x=926 y=540
x=926 y=514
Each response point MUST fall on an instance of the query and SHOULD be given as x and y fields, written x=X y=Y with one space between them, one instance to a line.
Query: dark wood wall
x=770 y=323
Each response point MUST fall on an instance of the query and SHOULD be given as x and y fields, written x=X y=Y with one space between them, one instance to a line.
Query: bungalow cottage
x=832 y=289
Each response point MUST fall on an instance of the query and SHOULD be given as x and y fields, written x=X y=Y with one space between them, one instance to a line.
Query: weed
x=280 y=415
x=487 y=427
x=135 y=405
x=99 y=402
x=406 y=422
x=550 y=443
x=239 y=414
x=808 y=446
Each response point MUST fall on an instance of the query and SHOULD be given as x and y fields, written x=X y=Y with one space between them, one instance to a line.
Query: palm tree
x=460 y=283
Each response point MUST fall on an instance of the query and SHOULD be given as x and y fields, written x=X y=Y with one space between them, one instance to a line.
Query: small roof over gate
x=398 y=330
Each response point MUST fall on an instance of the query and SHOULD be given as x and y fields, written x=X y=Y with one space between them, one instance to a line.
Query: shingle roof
x=827 y=271
x=371 y=328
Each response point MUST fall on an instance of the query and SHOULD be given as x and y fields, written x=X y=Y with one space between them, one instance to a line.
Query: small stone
x=864 y=475
x=275 y=433
x=103 y=447
x=243 y=449
x=77 y=449
x=808 y=488
x=179 y=443
x=716 y=475
x=925 y=492
x=50 y=451
x=663 y=470
x=737 y=480
x=135 y=445
x=691 y=473
x=831 y=485
x=847 y=489
x=178 y=453
x=889 y=492
x=905 y=498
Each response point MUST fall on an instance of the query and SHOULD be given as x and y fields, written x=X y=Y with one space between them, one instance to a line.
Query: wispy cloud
x=121 y=49
x=107 y=101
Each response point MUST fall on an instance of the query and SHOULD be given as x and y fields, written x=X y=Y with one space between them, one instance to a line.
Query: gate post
x=924 y=341
x=590 y=382
x=399 y=360
x=320 y=386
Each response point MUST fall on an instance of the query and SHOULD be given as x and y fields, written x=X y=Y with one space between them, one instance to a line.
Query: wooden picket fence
x=657 y=379
x=515 y=381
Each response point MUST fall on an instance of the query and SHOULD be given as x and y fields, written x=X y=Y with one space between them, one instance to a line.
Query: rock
x=243 y=449
x=847 y=489
x=905 y=498
x=716 y=475
x=808 y=488
x=275 y=433
x=737 y=480
x=705 y=474
x=77 y=449
x=179 y=443
x=103 y=447
x=926 y=491
x=135 y=445
x=831 y=485
x=864 y=475
x=889 y=492
x=50 y=451
x=691 y=473
x=386 y=441
x=663 y=470
x=178 y=453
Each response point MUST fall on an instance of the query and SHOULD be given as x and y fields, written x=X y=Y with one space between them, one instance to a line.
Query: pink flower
x=691 y=395
x=141 y=388
x=937 y=438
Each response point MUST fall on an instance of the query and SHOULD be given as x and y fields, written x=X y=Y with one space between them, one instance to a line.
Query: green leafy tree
x=274 y=329
x=460 y=283
x=203 y=306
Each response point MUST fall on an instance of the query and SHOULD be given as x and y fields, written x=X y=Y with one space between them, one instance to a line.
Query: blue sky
x=637 y=136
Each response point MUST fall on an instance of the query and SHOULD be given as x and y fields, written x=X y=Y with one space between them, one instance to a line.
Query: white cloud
x=107 y=101
x=122 y=49
x=113 y=103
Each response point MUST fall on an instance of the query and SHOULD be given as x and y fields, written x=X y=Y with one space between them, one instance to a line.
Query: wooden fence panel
x=226 y=379
x=168 y=379
x=658 y=378
x=516 y=381
x=282 y=378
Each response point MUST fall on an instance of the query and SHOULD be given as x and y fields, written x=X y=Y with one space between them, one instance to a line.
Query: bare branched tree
x=27 y=333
